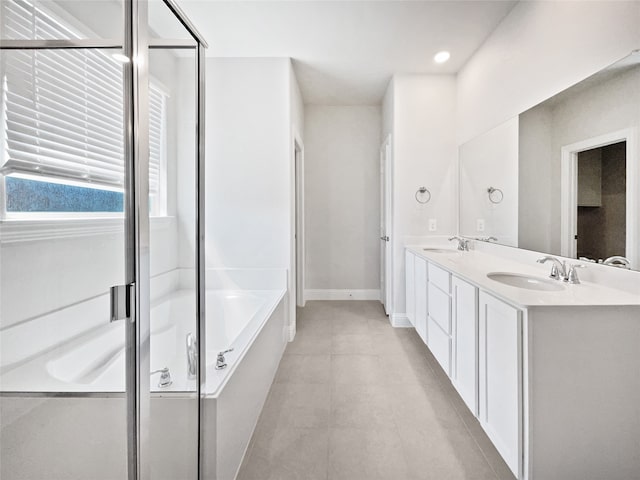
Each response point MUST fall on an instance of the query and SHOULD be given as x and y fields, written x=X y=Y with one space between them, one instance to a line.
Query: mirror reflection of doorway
x=602 y=199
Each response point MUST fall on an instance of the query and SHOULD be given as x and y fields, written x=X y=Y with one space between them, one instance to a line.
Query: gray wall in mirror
x=592 y=113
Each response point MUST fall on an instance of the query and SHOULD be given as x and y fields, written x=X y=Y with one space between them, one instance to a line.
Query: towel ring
x=495 y=195
x=421 y=191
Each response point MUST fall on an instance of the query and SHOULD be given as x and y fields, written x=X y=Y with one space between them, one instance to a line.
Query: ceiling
x=345 y=52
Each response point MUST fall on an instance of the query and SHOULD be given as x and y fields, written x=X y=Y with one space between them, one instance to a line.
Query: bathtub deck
x=356 y=399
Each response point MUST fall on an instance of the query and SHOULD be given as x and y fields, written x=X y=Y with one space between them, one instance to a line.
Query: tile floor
x=356 y=399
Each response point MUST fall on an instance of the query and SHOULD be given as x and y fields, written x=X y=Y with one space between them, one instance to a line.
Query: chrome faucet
x=165 y=377
x=572 y=274
x=463 y=243
x=558 y=269
x=221 y=362
x=192 y=356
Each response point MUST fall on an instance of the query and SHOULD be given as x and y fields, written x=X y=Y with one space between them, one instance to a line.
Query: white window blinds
x=62 y=110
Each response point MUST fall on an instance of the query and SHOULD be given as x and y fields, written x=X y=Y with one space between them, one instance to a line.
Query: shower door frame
x=136 y=45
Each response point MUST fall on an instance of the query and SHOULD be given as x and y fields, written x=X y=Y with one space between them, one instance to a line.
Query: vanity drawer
x=440 y=278
x=440 y=345
x=439 y=306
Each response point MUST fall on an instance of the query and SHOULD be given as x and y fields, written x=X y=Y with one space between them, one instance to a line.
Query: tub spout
x=192 y=356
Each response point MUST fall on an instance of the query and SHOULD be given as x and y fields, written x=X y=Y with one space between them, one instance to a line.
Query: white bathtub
x=61 y=384
x=94 y=361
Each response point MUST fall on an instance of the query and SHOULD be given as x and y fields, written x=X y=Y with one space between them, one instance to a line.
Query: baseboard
x=291 y=332
x=342 y=294
x=400 y=320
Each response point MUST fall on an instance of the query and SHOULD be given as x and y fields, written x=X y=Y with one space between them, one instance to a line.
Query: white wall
x=534 y=185
x=538 y=50
x=248 y=163
x=254 y=110
x=342 y=199
x=424 y=154
x=490 y=160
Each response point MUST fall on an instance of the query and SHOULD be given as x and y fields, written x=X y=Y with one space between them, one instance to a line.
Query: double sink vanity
x=550 y=368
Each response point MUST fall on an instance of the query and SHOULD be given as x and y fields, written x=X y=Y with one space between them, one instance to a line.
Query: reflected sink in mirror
x=526 y=281
x=439 y=250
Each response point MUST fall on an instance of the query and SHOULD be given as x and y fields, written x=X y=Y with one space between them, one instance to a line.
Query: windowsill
x=29 y=230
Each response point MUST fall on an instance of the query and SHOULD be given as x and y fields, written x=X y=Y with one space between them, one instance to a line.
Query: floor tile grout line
x=473 y=437
x=466 y=427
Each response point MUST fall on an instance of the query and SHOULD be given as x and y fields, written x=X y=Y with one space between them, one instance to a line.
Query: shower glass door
x=101 y=162
x=63 y=241
x=174 y=257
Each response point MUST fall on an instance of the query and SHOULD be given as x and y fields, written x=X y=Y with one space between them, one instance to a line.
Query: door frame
x=569 y=191
x=295 y=273
x=299 y=243
x=386 y=224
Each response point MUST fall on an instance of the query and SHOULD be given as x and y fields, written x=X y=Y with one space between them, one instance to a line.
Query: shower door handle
x=122 y=297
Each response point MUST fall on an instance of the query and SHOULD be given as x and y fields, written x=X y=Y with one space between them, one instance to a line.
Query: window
x=61 y=130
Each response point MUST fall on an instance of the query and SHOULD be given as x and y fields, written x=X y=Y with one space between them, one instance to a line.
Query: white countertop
x=473 y=266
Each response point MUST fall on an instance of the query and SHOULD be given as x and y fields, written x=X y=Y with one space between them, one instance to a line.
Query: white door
x=299 y=223
x=386 y=270
x=383 y=234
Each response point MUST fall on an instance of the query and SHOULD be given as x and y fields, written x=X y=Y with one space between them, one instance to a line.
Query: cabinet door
x=440 y=345
x=420 y=276
x=410 y=287
x=464 y=372
x=499 y=377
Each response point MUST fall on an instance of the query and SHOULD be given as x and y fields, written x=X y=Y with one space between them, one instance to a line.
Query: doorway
x=602 y=200
x=599 y=193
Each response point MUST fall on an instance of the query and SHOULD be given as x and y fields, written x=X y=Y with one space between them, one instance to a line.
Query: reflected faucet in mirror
x=486 y=239
x=463 y=243
x=618 y=261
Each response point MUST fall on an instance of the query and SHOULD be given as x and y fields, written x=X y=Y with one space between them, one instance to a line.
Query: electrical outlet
x=480 y=225
x=433 y=225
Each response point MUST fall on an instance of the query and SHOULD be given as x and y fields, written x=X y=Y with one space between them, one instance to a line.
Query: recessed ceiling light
x=441 y=57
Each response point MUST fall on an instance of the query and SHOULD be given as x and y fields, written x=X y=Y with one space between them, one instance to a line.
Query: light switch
x=433 y=225
x=480 y=225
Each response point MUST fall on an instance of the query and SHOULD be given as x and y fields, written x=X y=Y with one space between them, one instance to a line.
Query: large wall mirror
x=562 y=177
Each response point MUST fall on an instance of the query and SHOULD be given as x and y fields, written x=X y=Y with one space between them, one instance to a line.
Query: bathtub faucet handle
x=221 y=362
x=165 y=377
x=192 y=356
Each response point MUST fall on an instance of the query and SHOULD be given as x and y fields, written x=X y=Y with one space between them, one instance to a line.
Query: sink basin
x=525 y=281
x=439 y=250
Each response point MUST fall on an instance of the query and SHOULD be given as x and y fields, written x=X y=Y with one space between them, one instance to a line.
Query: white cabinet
x=420 y=295
x=538 y=378
x=464 y=372
x=410 y=287
x=439 y=316
x=499 y=368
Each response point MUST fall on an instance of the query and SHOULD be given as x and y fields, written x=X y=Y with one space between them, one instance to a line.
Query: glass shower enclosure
x=101 y=240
